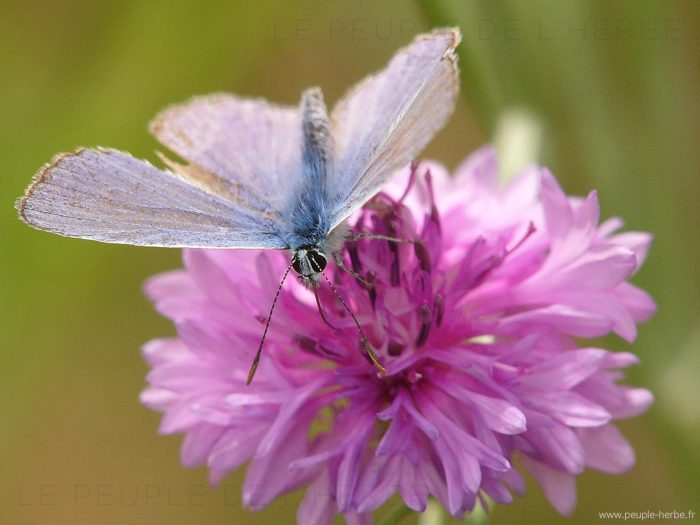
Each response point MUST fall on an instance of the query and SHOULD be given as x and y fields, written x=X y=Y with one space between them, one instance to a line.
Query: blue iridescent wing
x=248 y=146
x=388 y=118
x=109 y=196
x=243 y=161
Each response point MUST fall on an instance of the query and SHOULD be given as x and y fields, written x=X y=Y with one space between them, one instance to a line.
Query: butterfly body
x=310 y=218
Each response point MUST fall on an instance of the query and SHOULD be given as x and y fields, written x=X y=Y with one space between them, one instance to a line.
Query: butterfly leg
x=320 y=310
x=418 y=245
x=363 y=338
x=345 y=268
x=377 y=237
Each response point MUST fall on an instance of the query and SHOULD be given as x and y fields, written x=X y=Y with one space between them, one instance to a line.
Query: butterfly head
x=309 y=262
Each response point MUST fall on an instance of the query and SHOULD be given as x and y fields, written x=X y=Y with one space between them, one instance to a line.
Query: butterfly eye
x=296 y=265
x=317 y=261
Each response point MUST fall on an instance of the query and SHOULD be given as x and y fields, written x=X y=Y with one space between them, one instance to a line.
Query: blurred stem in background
x=615 y=94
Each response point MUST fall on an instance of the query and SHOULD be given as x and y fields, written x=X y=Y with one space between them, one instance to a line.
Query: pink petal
x=209 y=276
x=348 y=475
x=174 y=294
x=234 y=448
x=269 y=477
x=413 y=489
x=566 y=370
x=620 y=360
x=480 y=170
x=559 y=487
x=379 y=481
x=424 y=424
x=623 y=323
x=558 y=445
x=606 y=449
x=288 y=418
x=586 y=217
x=160 y=351
x=198 y=444
x=638 y=242
x=453 y=477
x=317 y=508
x=178 y=419
x=400 y=431
x=634 y=402
x=557 y=211
x=599 y=269
x=609 y=226
x=188 y=376
x=514 y=480
x=562 y=318
x=159 y=399
x=570 y=408
x=499 y=415
x=638 y=303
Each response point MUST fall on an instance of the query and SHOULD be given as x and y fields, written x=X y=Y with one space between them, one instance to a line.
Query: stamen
x=394 y=348
x=434 y=215
x=439 y=307
x=411 y=182
x=354 y=257
x=530 y=230
x=395 y=265
x=305 y=343
x=423 y=256
x=371 y=279
x=312 y=346
x=388 y=221
x=424 y=314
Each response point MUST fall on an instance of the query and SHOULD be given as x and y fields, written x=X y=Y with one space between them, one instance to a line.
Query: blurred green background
x=616 y=86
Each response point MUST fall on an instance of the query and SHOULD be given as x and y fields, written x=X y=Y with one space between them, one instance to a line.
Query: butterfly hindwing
x=248 y=144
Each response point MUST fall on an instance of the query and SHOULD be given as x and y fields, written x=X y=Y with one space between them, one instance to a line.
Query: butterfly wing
x=249 y=144
x=387 y=119
x=242 y=156
x=109 y=196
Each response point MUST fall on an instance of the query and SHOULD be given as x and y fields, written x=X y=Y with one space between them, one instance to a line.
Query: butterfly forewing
x=386 y=120
x=109 y=196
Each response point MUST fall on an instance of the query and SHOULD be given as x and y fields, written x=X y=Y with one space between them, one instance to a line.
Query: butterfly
x=258 y=175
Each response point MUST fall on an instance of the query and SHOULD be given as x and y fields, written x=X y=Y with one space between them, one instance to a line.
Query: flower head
x=475 y=322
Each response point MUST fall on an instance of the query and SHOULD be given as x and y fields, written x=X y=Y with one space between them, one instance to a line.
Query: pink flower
x=475 y=324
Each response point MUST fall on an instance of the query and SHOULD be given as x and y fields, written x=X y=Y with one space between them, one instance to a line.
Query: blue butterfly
x=258 y=175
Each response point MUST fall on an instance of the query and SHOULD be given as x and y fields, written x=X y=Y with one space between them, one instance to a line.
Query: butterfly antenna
x=256 y=361
x=365 y=343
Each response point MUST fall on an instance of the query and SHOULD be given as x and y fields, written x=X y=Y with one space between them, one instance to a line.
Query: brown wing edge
x=45 y=171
